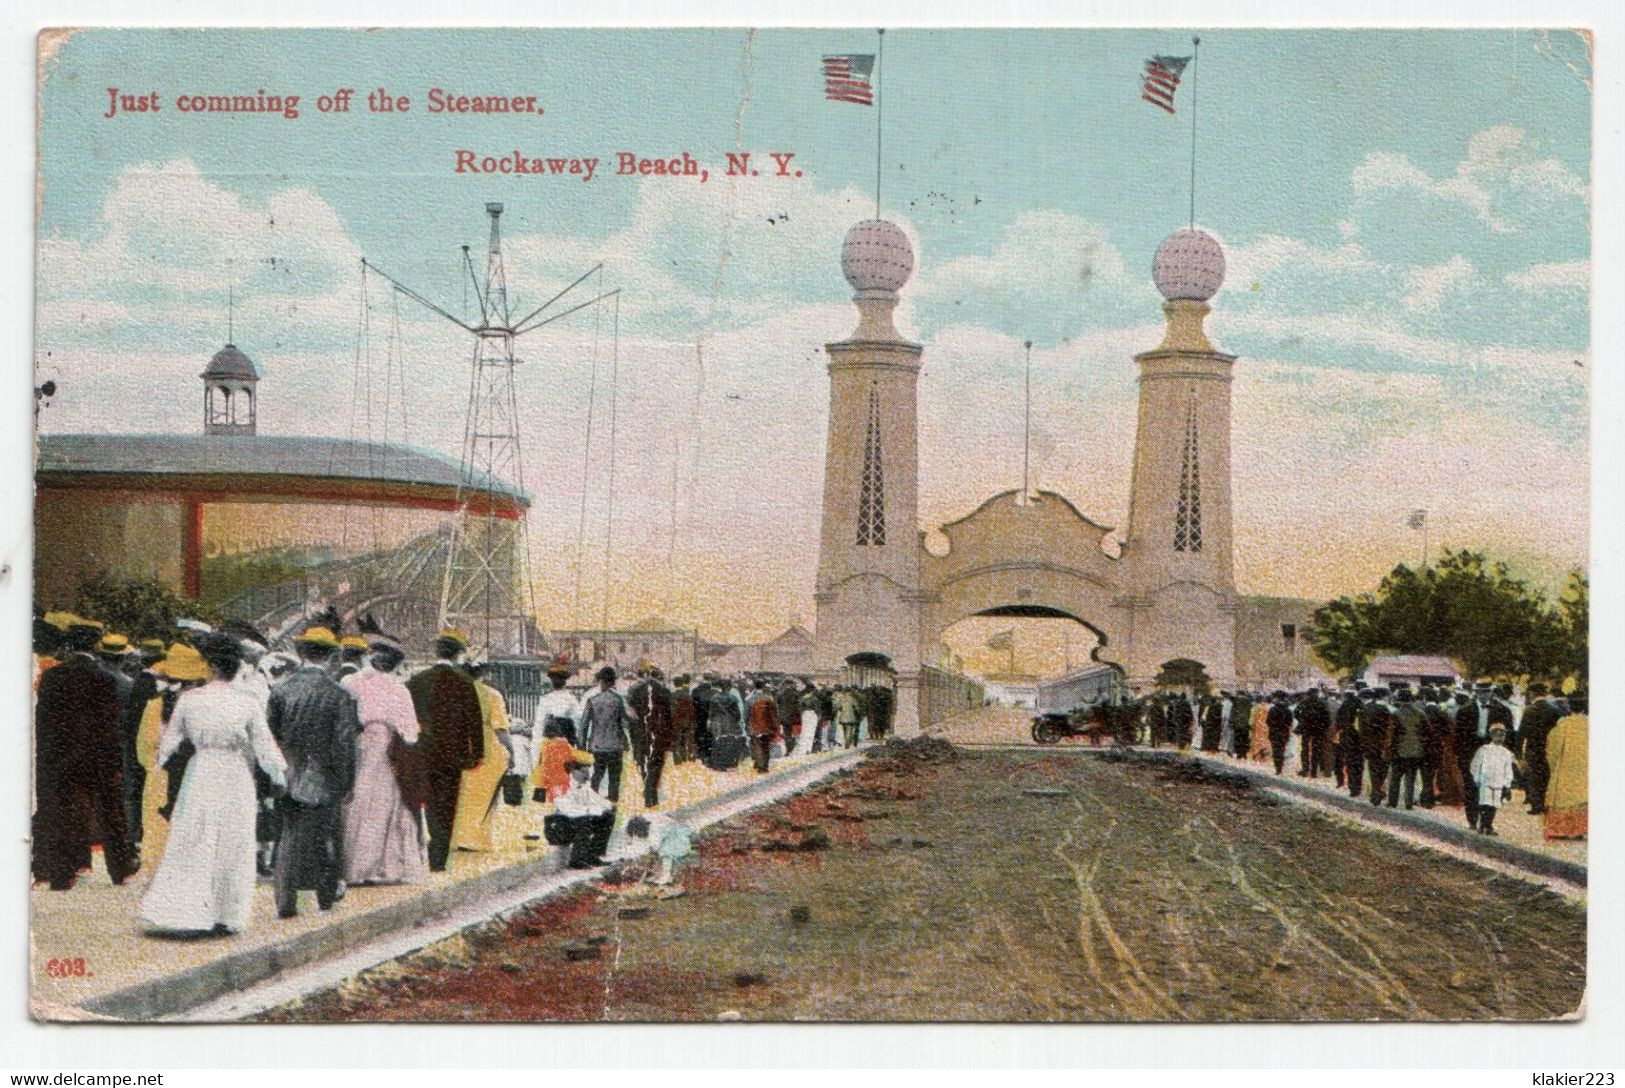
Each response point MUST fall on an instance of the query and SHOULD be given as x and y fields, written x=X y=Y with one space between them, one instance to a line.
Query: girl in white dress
x=206 y=879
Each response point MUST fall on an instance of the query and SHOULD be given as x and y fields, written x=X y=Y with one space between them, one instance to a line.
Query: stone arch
x=1038 y=557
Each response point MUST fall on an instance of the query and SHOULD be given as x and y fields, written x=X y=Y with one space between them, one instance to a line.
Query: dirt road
x=939 y=884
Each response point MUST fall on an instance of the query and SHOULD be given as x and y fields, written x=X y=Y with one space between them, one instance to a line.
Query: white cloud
x=1551 y=276
x=1426 y=287
x=1312 y=445
x=728 y=251
x=1274 y=253
x=1039 y=253
x=1384 y=170
x=1498 y=160
x=170 y=227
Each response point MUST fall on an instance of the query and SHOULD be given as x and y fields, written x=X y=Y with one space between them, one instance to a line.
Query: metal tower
x=486 y=588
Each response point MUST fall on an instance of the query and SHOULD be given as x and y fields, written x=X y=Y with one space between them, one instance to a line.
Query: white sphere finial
x=1189 y=266
x=876 y=256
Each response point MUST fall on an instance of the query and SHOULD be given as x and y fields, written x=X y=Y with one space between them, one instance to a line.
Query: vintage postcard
x=679 y=525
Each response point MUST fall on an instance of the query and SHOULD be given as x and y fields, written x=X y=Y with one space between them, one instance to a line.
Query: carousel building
x=174 y=507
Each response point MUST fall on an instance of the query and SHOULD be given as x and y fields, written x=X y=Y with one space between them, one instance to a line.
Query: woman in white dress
x=206 y=879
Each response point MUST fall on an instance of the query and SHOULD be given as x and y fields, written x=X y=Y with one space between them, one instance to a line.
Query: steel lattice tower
x=486 y=589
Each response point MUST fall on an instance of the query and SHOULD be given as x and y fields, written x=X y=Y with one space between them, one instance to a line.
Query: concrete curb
x=175 y=994
x=1461 y=838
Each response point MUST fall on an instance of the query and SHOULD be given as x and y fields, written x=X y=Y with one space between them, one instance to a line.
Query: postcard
x=696 y=525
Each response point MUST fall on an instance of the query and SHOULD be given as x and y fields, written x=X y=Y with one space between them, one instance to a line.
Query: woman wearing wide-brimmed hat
x=180 y=669
x=206 y=879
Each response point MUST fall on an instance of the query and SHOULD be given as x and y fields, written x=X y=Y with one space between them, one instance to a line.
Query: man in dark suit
x=114 y=652
x=1212 y=722
x=1181 y=720
x=1348 y=767
x=1315 y=726
x=787 y=697
x=702 y=713
x=1376 y=724
x=1241 y=725
x=637 y=730
x=1473 y=720
x=683 y=720
x=1539 y=718
x=650 y=700
x=77 y=767
x=1156 y=720
x=451 y=736
x=315 y=723
x=1279 y=724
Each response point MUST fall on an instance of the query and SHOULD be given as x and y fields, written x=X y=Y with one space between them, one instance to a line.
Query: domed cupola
x=228 y=392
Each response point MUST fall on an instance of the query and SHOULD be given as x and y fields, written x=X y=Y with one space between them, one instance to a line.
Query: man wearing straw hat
x=314 y=721
x=114 y=651
x=452 y=738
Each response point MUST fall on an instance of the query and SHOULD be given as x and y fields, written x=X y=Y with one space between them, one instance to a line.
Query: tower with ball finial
x=868 y=585
x=1177 y=553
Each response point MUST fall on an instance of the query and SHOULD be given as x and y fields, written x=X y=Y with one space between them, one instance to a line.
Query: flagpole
x=1196 y=49
x=1027 y=427
x=880 y=106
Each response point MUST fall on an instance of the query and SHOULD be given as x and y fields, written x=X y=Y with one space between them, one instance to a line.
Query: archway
x=1008 y=651
x=1182 y=676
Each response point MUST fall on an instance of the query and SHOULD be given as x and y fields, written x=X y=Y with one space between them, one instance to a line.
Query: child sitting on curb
x=672 y=842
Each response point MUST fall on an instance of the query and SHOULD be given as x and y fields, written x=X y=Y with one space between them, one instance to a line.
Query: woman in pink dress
x=384 y=838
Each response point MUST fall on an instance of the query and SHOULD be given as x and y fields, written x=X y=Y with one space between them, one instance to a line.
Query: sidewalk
x=1513 y=823
x=131 y=975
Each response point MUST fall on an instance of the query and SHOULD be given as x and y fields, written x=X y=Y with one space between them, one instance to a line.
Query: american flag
x=846 y=78
x=1418 y=519
x=1161 y=80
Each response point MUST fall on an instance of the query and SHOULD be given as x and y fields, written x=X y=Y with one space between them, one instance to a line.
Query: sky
x=1405 y=216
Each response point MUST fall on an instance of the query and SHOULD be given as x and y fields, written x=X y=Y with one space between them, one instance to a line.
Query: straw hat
x=318 y=636
x=113 y=644
x=181 y=662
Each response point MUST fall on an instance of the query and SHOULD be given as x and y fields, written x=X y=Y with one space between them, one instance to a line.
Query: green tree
x=1574 y=612
x=1465 y=607
x=138 y=607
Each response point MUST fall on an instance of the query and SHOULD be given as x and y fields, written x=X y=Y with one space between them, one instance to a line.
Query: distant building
x=1272 y=644
x=159 y=505
x=788 y=652
x=673 y=650
x=1413 y=669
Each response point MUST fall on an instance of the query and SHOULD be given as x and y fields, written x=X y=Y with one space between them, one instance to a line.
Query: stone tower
x=868 y=588
x=1178 y=566
x=229 y=384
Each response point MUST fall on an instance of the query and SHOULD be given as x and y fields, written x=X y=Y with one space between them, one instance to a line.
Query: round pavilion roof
x=230 y=362
x=269 y=468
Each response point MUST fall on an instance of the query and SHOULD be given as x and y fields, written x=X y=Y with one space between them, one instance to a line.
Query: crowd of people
x=1401 y=745
x=218 y=761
